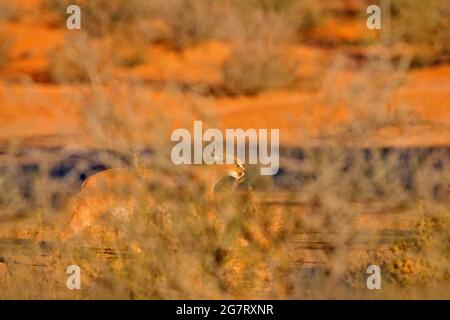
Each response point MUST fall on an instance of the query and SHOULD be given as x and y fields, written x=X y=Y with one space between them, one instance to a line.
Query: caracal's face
x=237 y=171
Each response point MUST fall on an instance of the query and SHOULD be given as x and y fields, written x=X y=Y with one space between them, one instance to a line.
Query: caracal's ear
x=239 y=163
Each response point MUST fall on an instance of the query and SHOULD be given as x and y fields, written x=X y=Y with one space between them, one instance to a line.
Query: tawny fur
x=112 y=191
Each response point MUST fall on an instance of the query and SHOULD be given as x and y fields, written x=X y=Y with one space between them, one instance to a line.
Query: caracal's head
x=237 y=171
x=231 y=175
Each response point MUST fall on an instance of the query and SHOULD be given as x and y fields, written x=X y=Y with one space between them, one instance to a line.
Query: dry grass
x=189 y=22
x=420 y=262
x=258 y=61
x=309 y=233
x=66 y=65
x=236 y=246
x=102 y=17
x=425 y=25
x=301 y=15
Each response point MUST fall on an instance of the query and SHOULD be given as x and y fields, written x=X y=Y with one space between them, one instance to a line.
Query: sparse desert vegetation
x=364 y=152
x=409 y=28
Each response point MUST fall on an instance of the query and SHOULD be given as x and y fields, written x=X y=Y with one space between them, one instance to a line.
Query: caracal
x=111 y=191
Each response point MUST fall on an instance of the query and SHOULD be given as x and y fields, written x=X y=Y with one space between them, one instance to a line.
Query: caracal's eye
x=241 y=169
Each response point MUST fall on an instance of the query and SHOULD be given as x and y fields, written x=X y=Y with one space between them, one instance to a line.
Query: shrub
x=257 y=62
x=189 y=21
x=102 y=17
x=80 y=59
x=302 y=15
x=423 y=23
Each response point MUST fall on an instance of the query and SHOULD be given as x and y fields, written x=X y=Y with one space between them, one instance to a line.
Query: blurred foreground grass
x=311 y=235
